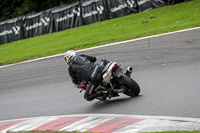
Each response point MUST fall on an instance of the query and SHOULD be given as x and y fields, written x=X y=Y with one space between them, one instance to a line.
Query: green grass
x=169 y=18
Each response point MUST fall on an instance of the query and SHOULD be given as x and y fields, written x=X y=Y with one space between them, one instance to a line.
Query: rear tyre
x=133 y=88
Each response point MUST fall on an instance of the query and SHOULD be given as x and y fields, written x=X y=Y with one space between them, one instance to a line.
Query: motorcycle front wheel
x=133 y=89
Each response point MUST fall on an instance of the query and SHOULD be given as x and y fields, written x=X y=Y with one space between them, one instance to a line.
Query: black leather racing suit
x=84 y=68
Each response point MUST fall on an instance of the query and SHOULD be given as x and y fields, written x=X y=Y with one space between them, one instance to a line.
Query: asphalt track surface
x=167 y=68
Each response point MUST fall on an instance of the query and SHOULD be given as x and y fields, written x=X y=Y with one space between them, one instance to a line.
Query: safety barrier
x=69 y=16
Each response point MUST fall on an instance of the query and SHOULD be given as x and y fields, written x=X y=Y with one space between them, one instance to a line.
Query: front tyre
x=133 y=88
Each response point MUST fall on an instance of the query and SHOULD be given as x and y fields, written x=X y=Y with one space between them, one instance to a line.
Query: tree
x=15 y=8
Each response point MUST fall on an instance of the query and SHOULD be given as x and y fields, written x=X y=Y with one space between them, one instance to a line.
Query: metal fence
x=69 y=16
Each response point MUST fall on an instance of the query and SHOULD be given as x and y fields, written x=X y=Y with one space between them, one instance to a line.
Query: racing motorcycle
x=115 y=81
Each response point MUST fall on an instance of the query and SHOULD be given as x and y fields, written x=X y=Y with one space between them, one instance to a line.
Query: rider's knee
x=88 y=98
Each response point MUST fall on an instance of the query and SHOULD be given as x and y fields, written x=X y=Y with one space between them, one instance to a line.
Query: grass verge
x=169 y=18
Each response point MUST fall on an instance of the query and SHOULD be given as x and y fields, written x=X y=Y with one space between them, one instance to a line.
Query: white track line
x=189 y=119
x=132 y=40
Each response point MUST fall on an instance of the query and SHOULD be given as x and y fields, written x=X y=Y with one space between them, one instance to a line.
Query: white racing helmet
x=69 y=55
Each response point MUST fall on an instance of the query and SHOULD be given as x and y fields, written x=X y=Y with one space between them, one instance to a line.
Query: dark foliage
x=14 y=8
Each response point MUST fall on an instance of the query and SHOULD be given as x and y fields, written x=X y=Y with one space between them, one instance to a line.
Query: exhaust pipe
x=129 y=71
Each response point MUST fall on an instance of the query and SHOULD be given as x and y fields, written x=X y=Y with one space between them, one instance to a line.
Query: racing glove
x=82 y=86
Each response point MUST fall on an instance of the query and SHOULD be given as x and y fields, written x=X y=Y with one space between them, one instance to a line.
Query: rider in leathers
x=83 y=68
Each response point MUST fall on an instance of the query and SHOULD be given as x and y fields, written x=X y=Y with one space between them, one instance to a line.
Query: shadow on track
x=112 y=104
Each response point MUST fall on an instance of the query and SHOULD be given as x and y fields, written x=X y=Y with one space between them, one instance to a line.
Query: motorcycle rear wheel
x=133 y=89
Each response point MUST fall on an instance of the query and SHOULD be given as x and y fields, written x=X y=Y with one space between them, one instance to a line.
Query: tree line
x=15 y=8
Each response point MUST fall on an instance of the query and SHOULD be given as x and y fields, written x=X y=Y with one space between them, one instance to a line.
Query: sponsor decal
x=122 y=6
x=118 y=8
x=93 y=73
x=43 y=21
x=99 y=10
x=14 y=29
x=68 y=16
x=140 y=2
x=131 y=3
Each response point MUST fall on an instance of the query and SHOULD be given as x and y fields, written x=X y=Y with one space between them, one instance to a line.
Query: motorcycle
x=115 y=81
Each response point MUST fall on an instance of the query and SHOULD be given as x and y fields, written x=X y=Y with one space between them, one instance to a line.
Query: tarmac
x=103 y=123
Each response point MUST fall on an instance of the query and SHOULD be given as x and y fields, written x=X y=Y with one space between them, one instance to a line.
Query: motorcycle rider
x=83 y=69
